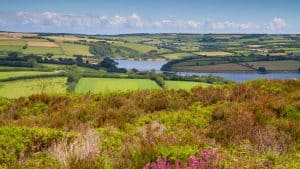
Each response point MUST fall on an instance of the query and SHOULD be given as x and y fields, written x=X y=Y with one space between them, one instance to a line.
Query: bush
x=19 y=142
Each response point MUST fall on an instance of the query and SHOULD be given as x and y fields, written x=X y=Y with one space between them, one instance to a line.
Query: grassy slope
x=183 y=84
x=42 y=50
x=75 y=49
x=277 y=65
x=19 y=88
x=111 y=84
x=5 y=75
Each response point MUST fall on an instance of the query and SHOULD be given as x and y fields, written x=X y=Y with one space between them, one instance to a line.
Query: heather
x=249 y=125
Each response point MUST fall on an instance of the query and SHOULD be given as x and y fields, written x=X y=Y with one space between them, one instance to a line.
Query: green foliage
x=42 y=160
x=252 y=124
x=20 y=142
x=73 y=76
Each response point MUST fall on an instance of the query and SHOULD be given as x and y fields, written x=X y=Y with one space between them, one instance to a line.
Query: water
x=141 y=64
x=238 y=77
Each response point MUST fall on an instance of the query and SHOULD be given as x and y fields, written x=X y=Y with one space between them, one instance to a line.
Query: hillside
x=249 y=125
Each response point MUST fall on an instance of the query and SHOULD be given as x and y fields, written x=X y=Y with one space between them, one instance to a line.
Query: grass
x=215 y=53
x=42 y=50
x=183 y=84
x=69 y=38
x=7 y=42
x=75 y=49
x=20 y=88
x=177 y=55
x=277 y=65
x=97 y=85
x=5 y=75
x=10 y=48
x=229 y=67
x=139 y=47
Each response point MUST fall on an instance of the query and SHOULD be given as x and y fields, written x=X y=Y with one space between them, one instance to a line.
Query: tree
x=33 y=62
x=108 y=63
x=13 y=55
x=73 y=77
x=79 y=59
x=262 y=69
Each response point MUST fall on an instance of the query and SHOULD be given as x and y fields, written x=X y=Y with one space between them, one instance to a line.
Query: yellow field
x=216 y=53
x=70 y=38
x=42 y=44
x=13 y=42
x=75 y=49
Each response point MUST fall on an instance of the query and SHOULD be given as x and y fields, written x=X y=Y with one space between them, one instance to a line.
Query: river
x=238 y=77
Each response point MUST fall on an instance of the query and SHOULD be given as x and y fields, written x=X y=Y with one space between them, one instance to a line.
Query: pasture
x=215 y=53
x=214 y=68
x=283 y=65
x=70 y=49
x=18 y=88
x=140 y=47
x=97 y=85
x=177 y=55
x=42 y=50
x=6 y=75
x=183 y=84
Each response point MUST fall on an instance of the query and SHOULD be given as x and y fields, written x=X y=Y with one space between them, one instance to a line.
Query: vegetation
x=96 y=85
x=18 y=88
x=249 y=125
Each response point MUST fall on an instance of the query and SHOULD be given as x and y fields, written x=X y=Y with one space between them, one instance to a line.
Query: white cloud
x=57 y=22
x=249 y=25
x=277 y=24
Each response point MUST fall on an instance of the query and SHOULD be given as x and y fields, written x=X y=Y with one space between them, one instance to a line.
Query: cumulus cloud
x=277 y=24
x=56 y=22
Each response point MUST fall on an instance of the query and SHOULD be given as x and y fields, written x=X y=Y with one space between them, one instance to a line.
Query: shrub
x=201 y=160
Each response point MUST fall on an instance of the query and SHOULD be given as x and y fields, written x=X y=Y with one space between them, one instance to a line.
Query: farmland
x=277 y=65
x=184 y=85
x=6 y=75
x=97 y=85
x=18 y=88
x=150 y=46
x=215 y=68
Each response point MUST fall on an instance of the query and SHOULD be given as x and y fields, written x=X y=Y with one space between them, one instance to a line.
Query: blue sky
x=151 y=16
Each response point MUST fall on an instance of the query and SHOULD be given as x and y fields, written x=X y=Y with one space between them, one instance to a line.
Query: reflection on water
x=238 y=77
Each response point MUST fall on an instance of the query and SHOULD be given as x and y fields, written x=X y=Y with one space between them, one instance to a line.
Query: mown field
x=183 y=85
x=18 y=88
x=97 y=85
x=6 y=75
x=248 y=125
x=288 y=65
x=37 y=85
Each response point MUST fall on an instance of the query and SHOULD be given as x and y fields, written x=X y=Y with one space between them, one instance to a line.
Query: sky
x=151 y=16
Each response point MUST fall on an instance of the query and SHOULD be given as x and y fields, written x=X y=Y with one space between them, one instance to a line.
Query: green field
x=11 y=48
x=183 y=84
x=18 y=88
x=96 y=85
x=7 y=42
x=277 y=65
x=215 y=53
x=42 y=50
x=177 y=55
x=75 y=49
x=139 y=47
x=5 y=75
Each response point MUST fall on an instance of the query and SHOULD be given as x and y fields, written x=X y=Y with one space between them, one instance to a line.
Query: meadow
x=18 y=88
x=288 y=65
x=96 y=85
x=6 y=75
x=184 y=85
